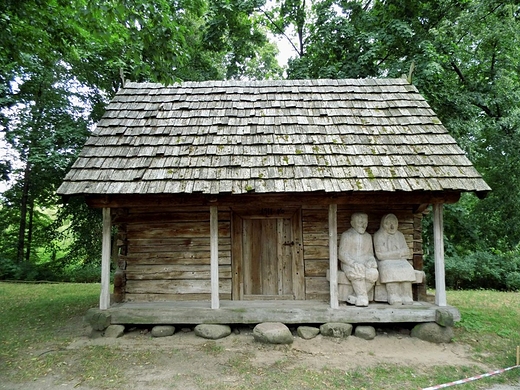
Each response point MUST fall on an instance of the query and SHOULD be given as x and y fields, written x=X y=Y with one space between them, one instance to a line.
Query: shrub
x=479 y=270
x=53 y=271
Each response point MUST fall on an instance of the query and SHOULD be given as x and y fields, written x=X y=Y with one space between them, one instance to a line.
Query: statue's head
x=389 y=223
x=359 y=221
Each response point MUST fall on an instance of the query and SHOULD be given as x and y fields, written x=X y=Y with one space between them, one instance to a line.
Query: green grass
x=38 y=322
x=34 y=320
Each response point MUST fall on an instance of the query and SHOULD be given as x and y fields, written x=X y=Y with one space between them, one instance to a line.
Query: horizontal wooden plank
x=253 y=212
x=182 y=244
x=172 y=297
x=162 y=216
x=316 y=286
x=251 y=312
x=175 y=286
x=274 y=200
x=182 y=271
x=316 y=268
x=316 y=239
x=194 y=246
x=267 y=297
x=187 y=258
x=172 y=241
x=319 y=297
x=316 y=252
x=222 y=211
x=177 y=229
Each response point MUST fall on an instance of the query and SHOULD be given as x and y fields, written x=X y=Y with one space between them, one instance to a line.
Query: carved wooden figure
x=395 y=272
x=356 y=255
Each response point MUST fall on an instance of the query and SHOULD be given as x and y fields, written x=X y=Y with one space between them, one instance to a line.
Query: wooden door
x=267 y=255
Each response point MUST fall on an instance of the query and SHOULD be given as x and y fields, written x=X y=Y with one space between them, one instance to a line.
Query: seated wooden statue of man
x=394 y=269
x=356 y=254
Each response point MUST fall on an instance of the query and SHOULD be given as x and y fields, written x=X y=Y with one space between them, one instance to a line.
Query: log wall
x=164 y=254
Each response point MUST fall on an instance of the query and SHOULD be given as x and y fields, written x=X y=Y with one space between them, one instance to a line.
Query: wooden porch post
x=438 y=239
x=213 y=222
x=104 y=298
x=333 y=255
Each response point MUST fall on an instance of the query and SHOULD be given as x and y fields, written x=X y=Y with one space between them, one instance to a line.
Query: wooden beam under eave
x=417 y=209
x=104 y=298
x=213 y=222
x=333 y=255
x=273 y=199
x=438 y=241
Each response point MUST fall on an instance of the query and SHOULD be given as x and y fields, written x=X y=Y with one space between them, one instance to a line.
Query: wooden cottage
x=228 y=196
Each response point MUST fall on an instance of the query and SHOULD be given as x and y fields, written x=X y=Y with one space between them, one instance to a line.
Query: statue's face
x=390 y=224
x=360 y=223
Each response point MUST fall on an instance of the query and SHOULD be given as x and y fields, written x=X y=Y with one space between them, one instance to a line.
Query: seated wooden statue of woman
x=394 y=269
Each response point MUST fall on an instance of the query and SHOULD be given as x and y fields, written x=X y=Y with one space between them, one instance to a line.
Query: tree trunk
x=23 y=213
x=30 y=210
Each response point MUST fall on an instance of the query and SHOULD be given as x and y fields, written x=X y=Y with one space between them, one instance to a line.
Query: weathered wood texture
x=104 y=298
x=167 y=254
x=289 y=312
x=164 y=254
x=271 y=136
x=267 y=253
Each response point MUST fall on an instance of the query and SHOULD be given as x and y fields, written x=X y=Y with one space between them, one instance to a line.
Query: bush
x=52 y=271
x=82 y=273
x=9 y=269
x=479 y=270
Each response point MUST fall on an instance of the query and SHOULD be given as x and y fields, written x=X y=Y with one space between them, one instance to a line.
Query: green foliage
x=466 y=57
x=474 y=270
x=50 y=271
x=59 y=64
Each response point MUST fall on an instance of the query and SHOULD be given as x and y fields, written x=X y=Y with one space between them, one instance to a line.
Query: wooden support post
x=213 y=222
x=333 y=255
x=104 y=298
x=438 y=239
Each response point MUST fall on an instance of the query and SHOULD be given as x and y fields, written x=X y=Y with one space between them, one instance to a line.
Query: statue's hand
x=359 y=268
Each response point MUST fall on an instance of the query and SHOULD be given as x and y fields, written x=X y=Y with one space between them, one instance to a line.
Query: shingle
x=270 y=136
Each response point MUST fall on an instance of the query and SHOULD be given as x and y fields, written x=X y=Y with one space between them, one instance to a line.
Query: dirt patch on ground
x=186 y=361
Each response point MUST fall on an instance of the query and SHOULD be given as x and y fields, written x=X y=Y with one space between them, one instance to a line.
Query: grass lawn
x=39 y=321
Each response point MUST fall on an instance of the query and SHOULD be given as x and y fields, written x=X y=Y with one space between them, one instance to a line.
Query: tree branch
x=282 y=32
x=458 y=71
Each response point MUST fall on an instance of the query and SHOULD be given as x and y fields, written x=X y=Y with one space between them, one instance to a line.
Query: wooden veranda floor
x=253 y=312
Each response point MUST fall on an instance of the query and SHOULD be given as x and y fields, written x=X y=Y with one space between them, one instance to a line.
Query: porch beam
x=213 y=222
x=438 y=242
x=333 y=255
x=273 y=200
x=104 y=298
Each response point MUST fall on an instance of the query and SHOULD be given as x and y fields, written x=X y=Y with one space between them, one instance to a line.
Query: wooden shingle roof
x=270 y=137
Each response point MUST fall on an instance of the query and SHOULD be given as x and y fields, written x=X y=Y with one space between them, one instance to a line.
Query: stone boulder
x=114 y=331
x=336 y=329
x=432 y=332
x=365 y=332
x=163 y=330
x=212 y=331
x=272 y=333
x=308 y=332
x=98 y=319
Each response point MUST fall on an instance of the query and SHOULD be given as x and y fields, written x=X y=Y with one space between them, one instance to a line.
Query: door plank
x=237 y=258
x=298 y=270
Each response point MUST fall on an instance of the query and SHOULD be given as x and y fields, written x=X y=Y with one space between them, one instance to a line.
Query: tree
x=466 y=57
x=60 y=62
